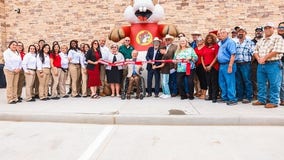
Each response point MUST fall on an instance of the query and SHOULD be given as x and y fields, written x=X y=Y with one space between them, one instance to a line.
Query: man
x=243 y=58
x=126 y=50
x=153 y=53
x=281 y=33
x=258 y=36
x=134 y=75
x=195 y=35
x=268 y=52
x=104 y=51
x=171 y=49
x=226 y=59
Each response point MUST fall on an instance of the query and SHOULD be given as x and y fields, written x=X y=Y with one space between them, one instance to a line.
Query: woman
x=36 y=82
x=185 y=69
x=12 y=70
x=93 y=68
x=200 y=72
x=55 y=62
x=29 y=67
x=114 y=73
x=43 y=71
x=84 y=73
x=64 y=73
x=74 y=55
x=211 y=66
x=21 y=81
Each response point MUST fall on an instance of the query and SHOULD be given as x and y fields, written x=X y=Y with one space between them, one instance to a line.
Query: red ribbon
x=142 y=62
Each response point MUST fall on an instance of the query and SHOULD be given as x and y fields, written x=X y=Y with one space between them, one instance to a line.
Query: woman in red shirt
x=211 y=66
x=55 y=61
x=200 y=72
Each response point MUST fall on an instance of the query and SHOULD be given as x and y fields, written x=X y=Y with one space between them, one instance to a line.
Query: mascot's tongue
x=142 y=18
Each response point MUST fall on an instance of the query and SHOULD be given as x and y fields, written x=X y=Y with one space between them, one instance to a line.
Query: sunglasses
x=281 y=28
x=127 y=40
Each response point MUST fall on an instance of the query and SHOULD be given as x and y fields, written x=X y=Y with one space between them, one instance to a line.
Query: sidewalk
x=149 y=111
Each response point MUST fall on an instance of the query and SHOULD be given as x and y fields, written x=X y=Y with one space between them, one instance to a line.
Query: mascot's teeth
x=141 y=9
x=144 y=9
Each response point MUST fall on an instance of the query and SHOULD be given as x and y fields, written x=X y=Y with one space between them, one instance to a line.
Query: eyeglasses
x=127 y=40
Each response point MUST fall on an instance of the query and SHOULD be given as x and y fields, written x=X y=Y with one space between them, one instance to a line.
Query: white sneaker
x=162 y=95
x=166 y=96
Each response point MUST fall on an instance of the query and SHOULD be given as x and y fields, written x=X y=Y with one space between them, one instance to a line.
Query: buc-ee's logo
x=144 y=38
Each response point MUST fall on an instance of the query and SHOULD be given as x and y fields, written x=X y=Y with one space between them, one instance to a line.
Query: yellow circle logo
x=144 y=38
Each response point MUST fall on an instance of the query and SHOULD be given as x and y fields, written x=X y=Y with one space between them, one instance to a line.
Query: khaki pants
x=36 y=86
x=55 y=83
x=30 y=79
x=75 y=75
x=43 y=83
x=12 y=85
x=21 y=83
x=84 y=82
x=62 y=83
x=102 y=77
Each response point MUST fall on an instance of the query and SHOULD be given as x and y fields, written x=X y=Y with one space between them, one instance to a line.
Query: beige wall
x=86 y=20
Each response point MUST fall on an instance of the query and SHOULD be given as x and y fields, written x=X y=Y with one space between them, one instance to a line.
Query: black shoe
x=77 y=96
x=232 y=103
x=191 y=97
x=173 y=95
x=47 y=98
x=84 y=96
x=66 y=96
x=44 y=99
x=20 y=98
x=13 y=102
x=183 y=97
x=214 y=100
x=36 y=96
x=31 y=100
x=19 y=101
x=149 y=95
x=55 y=98
x=156 y=95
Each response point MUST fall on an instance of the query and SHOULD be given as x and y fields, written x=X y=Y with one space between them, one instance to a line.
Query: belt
x=272 y=61
x=75 y=63
x=31 y=69
x=242 y=63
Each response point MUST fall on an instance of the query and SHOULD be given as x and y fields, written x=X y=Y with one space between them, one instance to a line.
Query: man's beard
x=258 y=36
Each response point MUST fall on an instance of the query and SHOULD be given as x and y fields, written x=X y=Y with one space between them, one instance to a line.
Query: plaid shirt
x=274 y=43
x=244 y=51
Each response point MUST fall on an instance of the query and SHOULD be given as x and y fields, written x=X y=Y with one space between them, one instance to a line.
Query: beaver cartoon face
x=144 y=11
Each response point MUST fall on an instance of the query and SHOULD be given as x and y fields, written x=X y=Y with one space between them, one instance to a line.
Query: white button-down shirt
x=74 y=56
x=64 y=60
x=12 y=60
x=45 y=64
x=29 y=61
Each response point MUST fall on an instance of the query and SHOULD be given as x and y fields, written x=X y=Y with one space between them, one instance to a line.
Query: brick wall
x=86 y=20
x=2 y=26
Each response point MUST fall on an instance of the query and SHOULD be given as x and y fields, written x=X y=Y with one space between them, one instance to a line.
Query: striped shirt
x=274 y=43
x=244 y=51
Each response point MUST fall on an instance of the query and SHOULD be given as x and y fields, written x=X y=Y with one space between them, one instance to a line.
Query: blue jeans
x=156 y=74
x=282 y=87
x=173 y=83
x=165 y=84
x=269 y=73
x=227 y=83
x=243 y=79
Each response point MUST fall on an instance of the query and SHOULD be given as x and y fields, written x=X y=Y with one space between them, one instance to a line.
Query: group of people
x=229 y=69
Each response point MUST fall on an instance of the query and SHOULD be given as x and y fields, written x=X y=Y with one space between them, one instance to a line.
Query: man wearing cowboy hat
x=153 y=53
x=171 y=49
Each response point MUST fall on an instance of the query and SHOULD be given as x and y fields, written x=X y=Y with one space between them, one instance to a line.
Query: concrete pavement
x=63 y=141
x=149 y=111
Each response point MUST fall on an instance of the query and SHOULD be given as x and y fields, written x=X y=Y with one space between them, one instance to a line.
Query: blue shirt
x=227 y=48
x=244 y=51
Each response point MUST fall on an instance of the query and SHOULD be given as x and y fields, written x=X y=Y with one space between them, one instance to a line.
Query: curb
x=121 y=119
